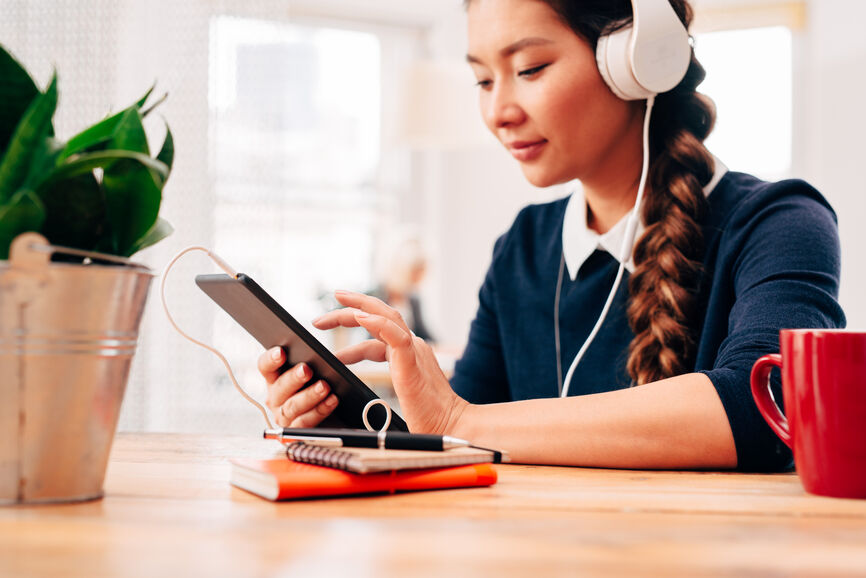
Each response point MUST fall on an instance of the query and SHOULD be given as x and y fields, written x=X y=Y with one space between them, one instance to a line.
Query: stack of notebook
x=311 y=470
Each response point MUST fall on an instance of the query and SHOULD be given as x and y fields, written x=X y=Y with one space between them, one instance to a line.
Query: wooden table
x=170 y=511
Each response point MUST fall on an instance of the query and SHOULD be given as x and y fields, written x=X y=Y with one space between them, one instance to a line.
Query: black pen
x=359 y=438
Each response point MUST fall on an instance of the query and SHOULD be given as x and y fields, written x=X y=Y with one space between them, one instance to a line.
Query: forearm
x=676 y=423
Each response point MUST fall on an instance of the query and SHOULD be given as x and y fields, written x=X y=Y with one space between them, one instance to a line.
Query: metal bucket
x=67 y=336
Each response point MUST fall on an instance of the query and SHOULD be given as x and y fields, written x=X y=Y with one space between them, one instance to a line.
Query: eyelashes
x=528 y=73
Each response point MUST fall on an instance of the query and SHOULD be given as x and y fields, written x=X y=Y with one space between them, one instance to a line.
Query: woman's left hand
x=428 y=403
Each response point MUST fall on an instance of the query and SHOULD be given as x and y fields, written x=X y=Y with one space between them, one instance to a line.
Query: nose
x=500 y=108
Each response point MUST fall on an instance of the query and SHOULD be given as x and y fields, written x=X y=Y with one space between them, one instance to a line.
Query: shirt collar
x=579 y=241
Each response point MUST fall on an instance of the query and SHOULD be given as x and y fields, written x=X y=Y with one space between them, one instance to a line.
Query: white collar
x=579 y=241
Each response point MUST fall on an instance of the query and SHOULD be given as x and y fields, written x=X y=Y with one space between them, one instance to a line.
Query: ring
x=367 y=408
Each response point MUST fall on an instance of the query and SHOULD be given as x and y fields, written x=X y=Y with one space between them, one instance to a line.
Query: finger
x=371 y=305
x=386 y=330
x=315 y=416
x=337 y=318
x=302 y=402
x=270 y=362
x=288 y=384
x=371 y=349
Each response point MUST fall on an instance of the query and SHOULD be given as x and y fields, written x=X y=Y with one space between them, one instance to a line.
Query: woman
x=723 y=262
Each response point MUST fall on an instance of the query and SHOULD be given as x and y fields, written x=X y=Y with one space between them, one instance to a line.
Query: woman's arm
x=675 y=423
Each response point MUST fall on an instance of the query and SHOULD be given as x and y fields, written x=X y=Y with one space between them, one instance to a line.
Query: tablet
x=271 y=325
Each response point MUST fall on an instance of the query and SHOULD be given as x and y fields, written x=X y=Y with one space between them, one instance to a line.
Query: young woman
x=721 y=263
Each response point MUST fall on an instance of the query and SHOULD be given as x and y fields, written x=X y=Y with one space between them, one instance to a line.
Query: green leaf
x=17 y=91
x=85 y=163
x=129 y=133
x=153 y=106
x=132 y=198
x=33 y=129
x=99 y=135
x=24 y=212
x=42 y=164
x=166 y=153
x=74 y=211
x=160 y=230
x=140 y=102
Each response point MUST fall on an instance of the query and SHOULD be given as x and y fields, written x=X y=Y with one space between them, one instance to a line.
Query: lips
x=524 y=150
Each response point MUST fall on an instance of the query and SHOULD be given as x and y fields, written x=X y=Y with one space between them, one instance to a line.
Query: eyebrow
x=514 y=47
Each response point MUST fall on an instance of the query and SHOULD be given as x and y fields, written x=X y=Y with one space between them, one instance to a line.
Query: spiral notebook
x=369 y=460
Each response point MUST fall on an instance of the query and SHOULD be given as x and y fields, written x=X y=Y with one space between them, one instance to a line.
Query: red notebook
x=283 y=479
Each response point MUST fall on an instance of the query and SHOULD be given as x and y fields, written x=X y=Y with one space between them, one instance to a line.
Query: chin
x=541 y=178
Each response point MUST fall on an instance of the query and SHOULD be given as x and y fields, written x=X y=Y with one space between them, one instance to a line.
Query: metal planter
x=68 y=333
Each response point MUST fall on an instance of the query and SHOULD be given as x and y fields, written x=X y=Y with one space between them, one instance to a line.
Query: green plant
x=99 y=191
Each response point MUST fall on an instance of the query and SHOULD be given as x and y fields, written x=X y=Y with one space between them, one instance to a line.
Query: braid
x=668 y=255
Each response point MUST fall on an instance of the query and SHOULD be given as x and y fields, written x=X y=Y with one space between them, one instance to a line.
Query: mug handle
x=763 y=397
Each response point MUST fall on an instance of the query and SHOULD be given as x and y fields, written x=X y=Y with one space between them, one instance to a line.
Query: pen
x=359 y=438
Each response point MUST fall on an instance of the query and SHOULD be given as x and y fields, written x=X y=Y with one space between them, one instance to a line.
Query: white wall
x=833 y=115
x=473 y=194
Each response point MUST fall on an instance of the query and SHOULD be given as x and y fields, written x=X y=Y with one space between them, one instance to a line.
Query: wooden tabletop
x=170 y=511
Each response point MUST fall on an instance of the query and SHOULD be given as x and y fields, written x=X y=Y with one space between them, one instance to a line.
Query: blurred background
x=315 y=136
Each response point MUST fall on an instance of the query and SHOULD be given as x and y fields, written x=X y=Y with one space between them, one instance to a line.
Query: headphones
x=648 y=57
x=637 y=62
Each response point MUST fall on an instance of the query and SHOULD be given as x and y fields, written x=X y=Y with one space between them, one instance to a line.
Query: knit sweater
x=771 y=261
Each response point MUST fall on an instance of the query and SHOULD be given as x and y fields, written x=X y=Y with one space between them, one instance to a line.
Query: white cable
x=232 y=273
x=625 y=252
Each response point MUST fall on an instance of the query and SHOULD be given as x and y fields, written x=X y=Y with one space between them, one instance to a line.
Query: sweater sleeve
x=783 y=258
x=479 y=375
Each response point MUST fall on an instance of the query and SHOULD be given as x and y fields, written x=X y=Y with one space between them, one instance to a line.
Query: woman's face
x=541 y=93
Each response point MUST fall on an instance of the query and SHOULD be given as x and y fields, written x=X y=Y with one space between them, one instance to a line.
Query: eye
x=530 y=72
x=484 y=83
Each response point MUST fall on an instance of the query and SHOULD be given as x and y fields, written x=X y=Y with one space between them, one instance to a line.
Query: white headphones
x=637 y=62
x=649 y=57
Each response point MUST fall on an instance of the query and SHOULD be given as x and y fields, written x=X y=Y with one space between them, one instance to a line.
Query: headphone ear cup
x=613 y=57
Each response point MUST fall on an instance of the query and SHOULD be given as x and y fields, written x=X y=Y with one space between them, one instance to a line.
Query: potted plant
x=71 y=212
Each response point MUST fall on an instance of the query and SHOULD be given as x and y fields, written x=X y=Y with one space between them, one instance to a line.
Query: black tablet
x=271 y=325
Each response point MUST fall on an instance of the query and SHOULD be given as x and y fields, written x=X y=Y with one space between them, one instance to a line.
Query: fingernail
x=316 y=320
x=362 y=314
x=276 y=353
x=331 y=401
x=302 y=370
x=320 y=387
x=341 y=292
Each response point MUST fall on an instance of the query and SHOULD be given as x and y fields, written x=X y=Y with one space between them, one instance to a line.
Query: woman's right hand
x=292 y=404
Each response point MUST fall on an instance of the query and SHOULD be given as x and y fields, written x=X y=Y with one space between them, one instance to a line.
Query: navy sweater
x=771 y=262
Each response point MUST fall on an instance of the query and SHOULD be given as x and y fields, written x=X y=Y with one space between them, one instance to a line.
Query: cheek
x=585 y=116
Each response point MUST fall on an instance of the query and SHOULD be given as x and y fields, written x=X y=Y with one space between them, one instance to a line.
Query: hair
x=667 y=257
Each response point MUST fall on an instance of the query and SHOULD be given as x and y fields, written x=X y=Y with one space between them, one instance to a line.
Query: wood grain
x=169 y=511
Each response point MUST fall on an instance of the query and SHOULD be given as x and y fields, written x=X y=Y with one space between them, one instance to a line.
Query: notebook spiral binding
x=318 y=455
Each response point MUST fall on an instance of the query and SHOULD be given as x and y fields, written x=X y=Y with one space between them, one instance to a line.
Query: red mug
x=824 y=389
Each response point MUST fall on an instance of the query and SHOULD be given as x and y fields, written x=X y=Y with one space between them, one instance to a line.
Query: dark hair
x=668 y=255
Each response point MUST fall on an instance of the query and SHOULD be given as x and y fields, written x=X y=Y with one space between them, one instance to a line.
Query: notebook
x=282 y=479
x=368 y=460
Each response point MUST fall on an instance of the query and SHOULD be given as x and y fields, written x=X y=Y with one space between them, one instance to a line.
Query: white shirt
x=579 y=241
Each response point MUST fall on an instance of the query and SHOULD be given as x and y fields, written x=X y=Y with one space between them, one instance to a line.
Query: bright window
x=749 y=76
x=295 y=127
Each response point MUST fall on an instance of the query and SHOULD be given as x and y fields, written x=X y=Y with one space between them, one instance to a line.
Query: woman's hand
x=428 y=403
x=291 y=405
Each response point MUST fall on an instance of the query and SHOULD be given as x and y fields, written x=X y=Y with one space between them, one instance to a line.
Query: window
x=749 y=76
x=295 y=133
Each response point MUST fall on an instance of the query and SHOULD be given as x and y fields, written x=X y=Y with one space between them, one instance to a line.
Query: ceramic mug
x=824 y=389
